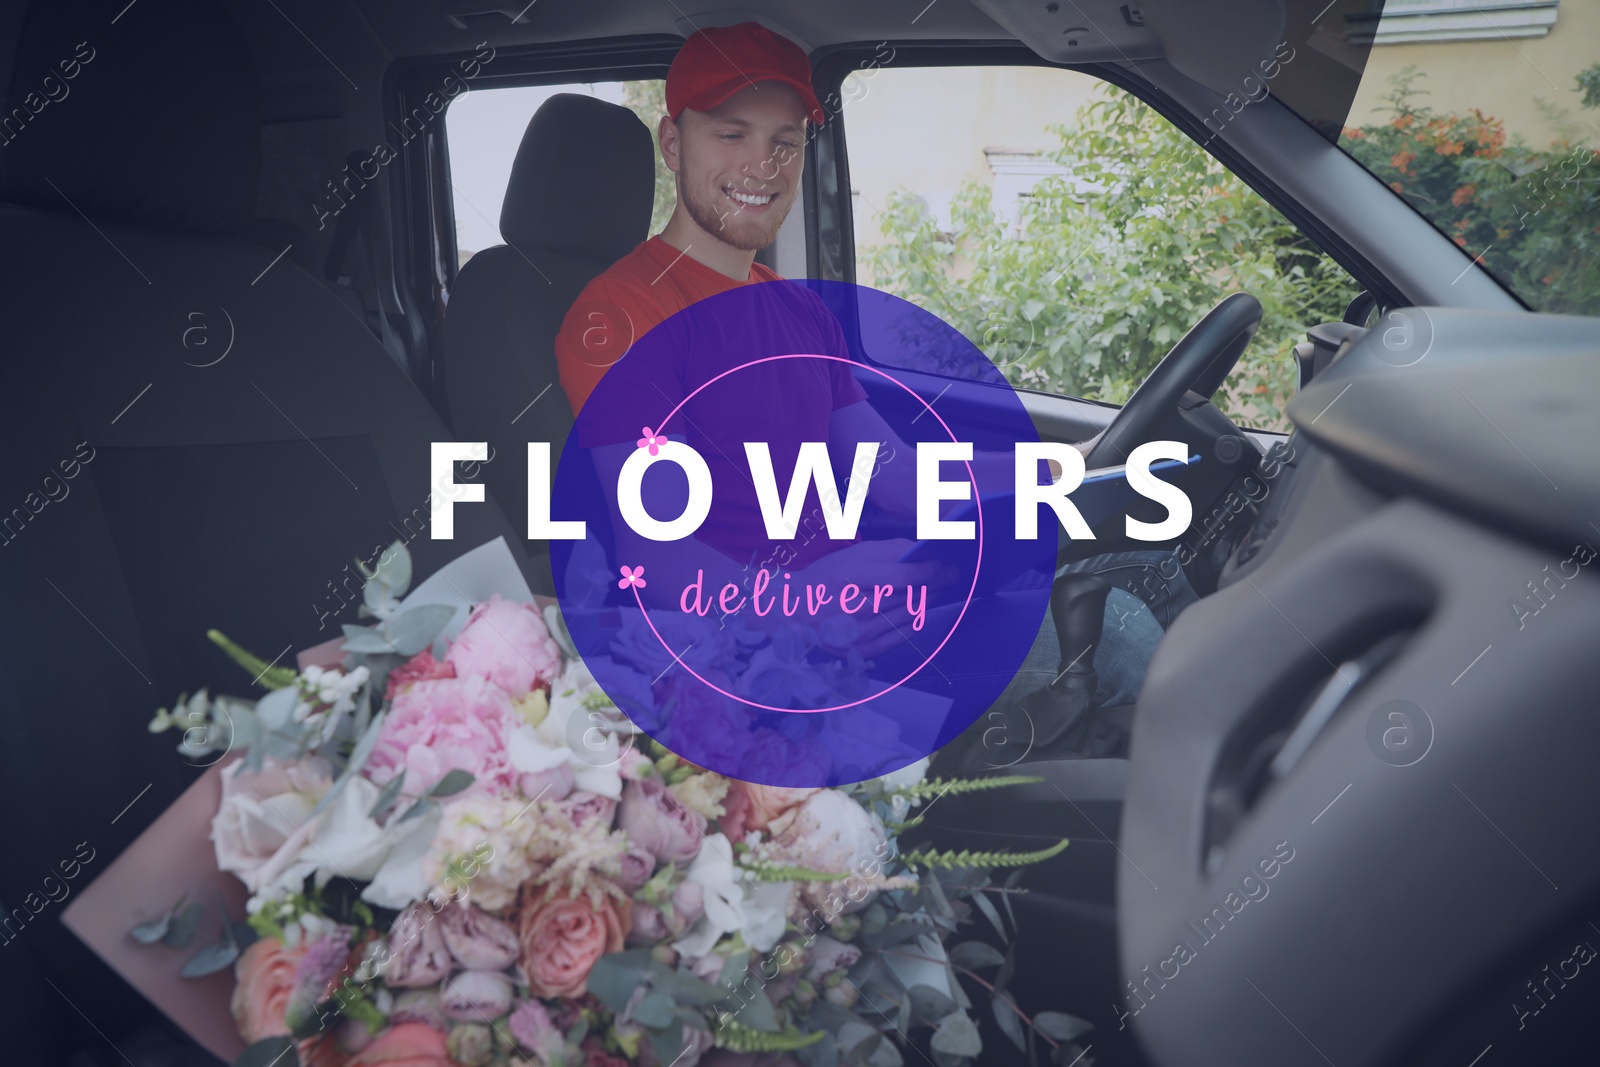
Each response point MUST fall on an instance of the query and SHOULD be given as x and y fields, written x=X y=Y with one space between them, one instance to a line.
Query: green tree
x=1113 y=262
x=648 y=100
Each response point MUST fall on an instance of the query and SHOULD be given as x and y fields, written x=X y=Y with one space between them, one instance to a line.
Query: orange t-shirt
x=633 y=295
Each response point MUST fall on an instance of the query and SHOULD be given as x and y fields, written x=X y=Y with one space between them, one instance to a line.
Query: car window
x=1487 y=120
x=1071 y=232
x=484 y=127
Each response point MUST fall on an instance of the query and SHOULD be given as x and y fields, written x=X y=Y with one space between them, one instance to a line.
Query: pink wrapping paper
x=172 y=857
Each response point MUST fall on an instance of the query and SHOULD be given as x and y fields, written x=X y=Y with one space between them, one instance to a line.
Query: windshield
x=1486 y=119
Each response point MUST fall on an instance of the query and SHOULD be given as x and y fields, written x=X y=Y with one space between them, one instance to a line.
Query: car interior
x=233 y=300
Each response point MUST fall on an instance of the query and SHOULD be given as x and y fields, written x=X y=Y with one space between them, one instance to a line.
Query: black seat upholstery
x=578 y=200
x=150 y=487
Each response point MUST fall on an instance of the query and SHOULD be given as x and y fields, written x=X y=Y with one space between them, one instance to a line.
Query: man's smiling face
x=738 y=165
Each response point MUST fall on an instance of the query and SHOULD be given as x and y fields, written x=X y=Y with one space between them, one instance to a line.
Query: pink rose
x=406 y=1045
x=563 y=936
x=509 y=644
x=261 y=824
x=447 y=724
x=583 y=806
x=657 y=820
x=478 y=940
x=749 y=806
x=263 y=984
x=418 y=955
x=419 y=668
x=470 y=996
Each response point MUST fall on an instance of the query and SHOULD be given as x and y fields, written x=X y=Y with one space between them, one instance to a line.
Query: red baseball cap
x=718 y=61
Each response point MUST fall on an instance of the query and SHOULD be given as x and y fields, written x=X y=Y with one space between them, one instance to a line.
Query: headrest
x=148 y=117
x=583 y=181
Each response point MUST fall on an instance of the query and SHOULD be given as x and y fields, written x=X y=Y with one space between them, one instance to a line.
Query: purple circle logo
x=803 y=560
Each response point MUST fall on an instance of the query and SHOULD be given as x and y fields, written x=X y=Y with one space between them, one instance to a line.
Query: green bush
x=1114 y=263
x=1533 y=215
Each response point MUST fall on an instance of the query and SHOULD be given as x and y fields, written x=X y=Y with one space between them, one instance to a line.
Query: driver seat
x=578 y=200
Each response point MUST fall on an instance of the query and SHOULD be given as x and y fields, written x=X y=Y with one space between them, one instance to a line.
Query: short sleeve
x=598 y=331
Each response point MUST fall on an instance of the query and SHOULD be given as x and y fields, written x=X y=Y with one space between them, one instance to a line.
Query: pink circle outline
x=976 y=570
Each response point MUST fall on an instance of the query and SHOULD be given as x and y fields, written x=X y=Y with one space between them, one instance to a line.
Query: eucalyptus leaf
x=419 y=809
x=1007 y=969
x=957 y=1035
x=452 y=783
x=270 y=1052
x=387 y=795
x=757 y=1013
x=985 y=905
x=885 y=1055
x=394 y=568
x=211 y=959
x=181 y=932
x=376 y=595
x=1010 y=1022
x=930 y=1003
x=853 y=1036
x=975 y=954
x=276 y=709
x=666 y=1041
x=615 y=976
x=148 y=933
x=369 y=741
x=414 y=630
x=686 y=989
x=1060 y=1026
x=364 y=639
x=654 y=1010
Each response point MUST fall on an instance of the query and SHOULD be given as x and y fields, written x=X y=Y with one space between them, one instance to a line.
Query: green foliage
x=736 y=1037
x=1533 y=215
x=648 y=100
x=266 y=676
x=1113 y=262
x=938 y=787
x=927 y=857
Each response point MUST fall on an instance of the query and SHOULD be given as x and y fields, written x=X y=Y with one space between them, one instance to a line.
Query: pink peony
x=406 y=1045
x=553 y=784
x=446 y=724
x=507 y=643
x=657 y=820
x=419 y=668
x=583 y=806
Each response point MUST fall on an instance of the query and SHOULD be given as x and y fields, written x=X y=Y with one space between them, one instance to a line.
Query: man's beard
x=747 y=233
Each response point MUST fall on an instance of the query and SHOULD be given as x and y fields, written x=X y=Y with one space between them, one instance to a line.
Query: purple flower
x=418 y=955
x=530 y=1024
x=638 y=864
x=478 y=940
x=582 y=806
x=476 y=995
x=658 y=821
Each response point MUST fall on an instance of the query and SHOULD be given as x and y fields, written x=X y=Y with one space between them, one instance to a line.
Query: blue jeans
x=1141 y=605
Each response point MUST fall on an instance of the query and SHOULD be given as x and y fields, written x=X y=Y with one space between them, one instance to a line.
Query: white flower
x=343 y=841
x=596 y=767
x=734 y=903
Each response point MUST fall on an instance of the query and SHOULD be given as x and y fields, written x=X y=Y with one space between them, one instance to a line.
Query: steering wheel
x=1199 y=363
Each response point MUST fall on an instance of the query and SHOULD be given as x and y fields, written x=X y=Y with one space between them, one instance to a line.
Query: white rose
x=757 y=911
x=259 y=826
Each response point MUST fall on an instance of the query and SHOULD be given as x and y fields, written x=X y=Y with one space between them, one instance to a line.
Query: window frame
x=830 y=219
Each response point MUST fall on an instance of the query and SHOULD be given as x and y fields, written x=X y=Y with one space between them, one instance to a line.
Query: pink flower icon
x=632 y=577
x=651 y=441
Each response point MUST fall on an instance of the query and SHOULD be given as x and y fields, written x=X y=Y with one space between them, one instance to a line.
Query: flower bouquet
x=459 y=850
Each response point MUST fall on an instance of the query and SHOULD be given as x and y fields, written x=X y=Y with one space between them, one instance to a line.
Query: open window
x=1069 y=230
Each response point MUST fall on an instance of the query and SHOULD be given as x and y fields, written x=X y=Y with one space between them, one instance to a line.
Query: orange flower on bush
x=1463 y=194
x=1401 y=160
x=561 y=937
x=264 y=978
x=1450 y=148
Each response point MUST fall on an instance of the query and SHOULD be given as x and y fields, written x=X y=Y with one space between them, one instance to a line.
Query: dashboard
x=1356 y=827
